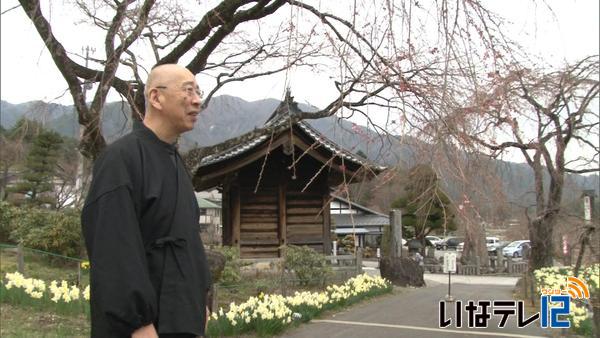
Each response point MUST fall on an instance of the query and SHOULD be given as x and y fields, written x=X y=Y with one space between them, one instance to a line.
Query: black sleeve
x=121 y=291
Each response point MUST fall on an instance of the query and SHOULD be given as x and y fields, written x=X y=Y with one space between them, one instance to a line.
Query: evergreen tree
x=14 y=142
x=425 y=206
x=40 y=168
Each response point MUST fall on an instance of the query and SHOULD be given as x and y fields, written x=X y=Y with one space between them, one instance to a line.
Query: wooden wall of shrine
x=264 y=206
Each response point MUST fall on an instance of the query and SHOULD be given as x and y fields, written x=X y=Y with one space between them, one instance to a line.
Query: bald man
x=149 y=276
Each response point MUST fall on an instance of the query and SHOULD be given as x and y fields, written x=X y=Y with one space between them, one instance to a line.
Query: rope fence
x=25 y=256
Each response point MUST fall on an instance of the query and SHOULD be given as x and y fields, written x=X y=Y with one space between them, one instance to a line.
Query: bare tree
x=12 y=152
x=400 y=62
x=384 y=57
x=544 y=116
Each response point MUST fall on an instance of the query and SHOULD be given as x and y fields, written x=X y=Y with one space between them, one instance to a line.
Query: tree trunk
x=474 y=245
x=541 y=230
x=92 y=142
x=4 y=184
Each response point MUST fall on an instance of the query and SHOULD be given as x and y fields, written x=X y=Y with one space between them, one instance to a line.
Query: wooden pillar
x=226 y=215
x=235 y=215
x=326 y=225
x=282 y=220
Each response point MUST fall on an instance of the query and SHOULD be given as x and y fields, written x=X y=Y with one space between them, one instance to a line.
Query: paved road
x=436 y=278
x=413 y=312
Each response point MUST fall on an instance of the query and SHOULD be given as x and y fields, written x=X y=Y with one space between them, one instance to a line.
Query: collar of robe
x=141 y=130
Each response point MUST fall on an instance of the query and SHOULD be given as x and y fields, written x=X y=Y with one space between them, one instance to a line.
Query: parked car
x=490 y=242
x=434 y=240
x=501 y=245
x=450 y=243
x=440 y=245
x=515 y=248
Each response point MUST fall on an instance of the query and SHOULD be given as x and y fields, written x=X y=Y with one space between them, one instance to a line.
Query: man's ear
x=154 y=98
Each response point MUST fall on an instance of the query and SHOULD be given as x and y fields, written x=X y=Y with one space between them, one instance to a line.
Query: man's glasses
x=188 y=89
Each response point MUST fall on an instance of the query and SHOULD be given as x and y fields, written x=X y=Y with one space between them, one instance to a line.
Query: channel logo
x=577 y=289
x=555 y=305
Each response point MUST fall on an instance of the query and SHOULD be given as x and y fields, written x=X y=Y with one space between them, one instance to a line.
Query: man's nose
x=196 y=99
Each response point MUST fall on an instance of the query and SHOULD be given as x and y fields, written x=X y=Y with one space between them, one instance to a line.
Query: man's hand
x=147 y=331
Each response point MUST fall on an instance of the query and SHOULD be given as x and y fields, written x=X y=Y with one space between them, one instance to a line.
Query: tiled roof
x=232 y=152
x=281 y=116
x=334 y=148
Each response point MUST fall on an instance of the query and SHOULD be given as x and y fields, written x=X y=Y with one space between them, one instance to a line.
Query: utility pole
x=81 y=161
x=87 y=49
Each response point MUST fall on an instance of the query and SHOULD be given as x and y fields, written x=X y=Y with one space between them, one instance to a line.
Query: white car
x=434 y=240
x=491 y=244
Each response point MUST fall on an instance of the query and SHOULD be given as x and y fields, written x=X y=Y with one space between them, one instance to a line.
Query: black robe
x=140 y=224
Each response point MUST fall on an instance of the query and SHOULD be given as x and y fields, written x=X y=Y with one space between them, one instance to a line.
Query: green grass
x=41 y=318
x=21 y=321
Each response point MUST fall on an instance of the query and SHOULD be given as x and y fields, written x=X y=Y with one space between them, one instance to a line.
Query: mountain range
x=229 y=116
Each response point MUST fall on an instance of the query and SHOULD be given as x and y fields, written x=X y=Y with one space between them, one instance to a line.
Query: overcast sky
x=28 y=73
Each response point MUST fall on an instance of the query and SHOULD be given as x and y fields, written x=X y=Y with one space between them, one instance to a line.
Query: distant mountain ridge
x=225 y=117
x=229 y=116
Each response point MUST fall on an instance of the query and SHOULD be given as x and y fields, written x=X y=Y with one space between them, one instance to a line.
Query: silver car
x=515 y=249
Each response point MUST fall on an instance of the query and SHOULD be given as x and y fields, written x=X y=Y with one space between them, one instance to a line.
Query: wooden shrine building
x=276 y=184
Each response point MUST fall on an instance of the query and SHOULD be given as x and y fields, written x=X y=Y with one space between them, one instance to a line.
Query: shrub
x=231 y=272
x=309 y=266
x=585 y=328
x=53 y=231
x=8 y=214
x=347 y=243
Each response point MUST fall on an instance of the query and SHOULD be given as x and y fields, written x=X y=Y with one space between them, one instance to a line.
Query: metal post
x=449 y=266
x=449 y=297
